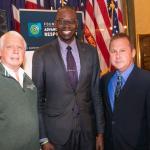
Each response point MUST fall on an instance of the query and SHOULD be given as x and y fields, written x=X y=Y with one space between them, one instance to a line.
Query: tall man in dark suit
x=126 y=94
x=66 y=73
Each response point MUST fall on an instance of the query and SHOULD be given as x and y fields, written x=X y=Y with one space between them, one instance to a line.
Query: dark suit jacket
x=49 y=75
x=128 y=127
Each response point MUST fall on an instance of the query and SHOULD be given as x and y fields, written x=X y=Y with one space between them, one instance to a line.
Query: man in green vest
x=18 y=97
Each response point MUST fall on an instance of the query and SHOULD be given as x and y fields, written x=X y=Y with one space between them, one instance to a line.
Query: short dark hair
x=120 y=36
x=65 y=7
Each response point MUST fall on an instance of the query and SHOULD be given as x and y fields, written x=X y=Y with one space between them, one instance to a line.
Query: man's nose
x=117 y=54
x=15 y=50
x=67 y=26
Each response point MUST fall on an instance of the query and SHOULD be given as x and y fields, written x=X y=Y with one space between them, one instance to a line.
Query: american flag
x=103 y=18
x=115 y=15
x=15 y=9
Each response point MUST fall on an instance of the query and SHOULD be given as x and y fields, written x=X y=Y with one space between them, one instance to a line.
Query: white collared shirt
x=12 y=73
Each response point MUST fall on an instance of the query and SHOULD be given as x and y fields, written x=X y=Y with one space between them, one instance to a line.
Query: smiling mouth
x=66 y=32
x=14 y=58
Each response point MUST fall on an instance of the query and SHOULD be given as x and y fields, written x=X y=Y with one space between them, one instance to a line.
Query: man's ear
x=133 y=52
x=77 y=24
x=0 y=53
x=55 y=24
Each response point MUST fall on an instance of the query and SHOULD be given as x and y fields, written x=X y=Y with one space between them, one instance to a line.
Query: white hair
x=13 y=33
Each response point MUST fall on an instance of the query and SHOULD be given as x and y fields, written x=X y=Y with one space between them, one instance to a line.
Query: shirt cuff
x=43 y=141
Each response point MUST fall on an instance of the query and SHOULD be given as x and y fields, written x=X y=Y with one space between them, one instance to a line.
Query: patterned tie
x=118 y=86
x=71 y=68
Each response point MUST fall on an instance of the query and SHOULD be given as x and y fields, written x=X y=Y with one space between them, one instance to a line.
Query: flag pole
x=62 y=3
x=112 y=6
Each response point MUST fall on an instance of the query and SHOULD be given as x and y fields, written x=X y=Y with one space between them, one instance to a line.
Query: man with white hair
x=18 y=97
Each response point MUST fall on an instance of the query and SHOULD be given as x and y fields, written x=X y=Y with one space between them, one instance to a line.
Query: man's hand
x=99 y=142
x=47 y=146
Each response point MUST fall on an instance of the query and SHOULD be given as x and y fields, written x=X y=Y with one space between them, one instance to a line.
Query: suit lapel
x=83 y=62
x=125 y=89
x=129 y=82
x=106 y=90
x=59 y=57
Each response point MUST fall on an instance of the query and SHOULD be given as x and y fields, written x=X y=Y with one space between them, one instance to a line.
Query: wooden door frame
x=129 y=19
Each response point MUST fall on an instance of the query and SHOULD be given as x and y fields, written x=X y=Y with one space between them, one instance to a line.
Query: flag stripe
x=31 y=4
x=101 y=36
x=102 y=45
x=89 y=22
x=120 y=16
x=101 y=25
x=89 y=37
x=16 y=17
x=90 y=10
x=104 y=12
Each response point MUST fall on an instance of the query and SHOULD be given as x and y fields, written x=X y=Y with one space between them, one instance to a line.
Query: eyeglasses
x=63 y=22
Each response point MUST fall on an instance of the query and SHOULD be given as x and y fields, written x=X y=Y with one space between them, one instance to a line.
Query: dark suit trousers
x=78 y=140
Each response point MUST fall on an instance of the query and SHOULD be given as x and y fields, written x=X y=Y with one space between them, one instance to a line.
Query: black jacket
x=128 y=127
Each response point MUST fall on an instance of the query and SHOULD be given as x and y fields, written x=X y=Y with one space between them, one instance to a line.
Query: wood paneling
x=144 y=44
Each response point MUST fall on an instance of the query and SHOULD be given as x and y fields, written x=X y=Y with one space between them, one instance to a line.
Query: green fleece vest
x=18 y=114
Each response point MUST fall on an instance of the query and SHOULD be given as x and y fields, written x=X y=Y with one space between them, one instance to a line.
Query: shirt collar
x=126 y=73
x=63 y=45
x=10 y=71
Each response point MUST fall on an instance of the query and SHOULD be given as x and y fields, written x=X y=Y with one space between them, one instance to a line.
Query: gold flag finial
x=112 y=5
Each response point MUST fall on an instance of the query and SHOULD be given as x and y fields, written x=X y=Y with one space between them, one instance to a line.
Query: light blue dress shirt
x=113 y=82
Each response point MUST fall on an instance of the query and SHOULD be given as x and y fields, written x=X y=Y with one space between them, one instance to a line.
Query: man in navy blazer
x=70 y=117
x=128 y=115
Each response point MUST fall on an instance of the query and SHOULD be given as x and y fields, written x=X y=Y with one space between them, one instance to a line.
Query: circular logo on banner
x=34 y=29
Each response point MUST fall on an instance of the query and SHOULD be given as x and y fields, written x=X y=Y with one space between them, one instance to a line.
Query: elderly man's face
x=66 y=25
x=12 y=52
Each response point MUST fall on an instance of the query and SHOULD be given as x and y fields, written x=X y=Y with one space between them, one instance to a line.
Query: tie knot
x=119 y=77
x=69 y=48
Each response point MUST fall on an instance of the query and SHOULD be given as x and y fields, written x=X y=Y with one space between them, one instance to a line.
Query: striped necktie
x=118 y=86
